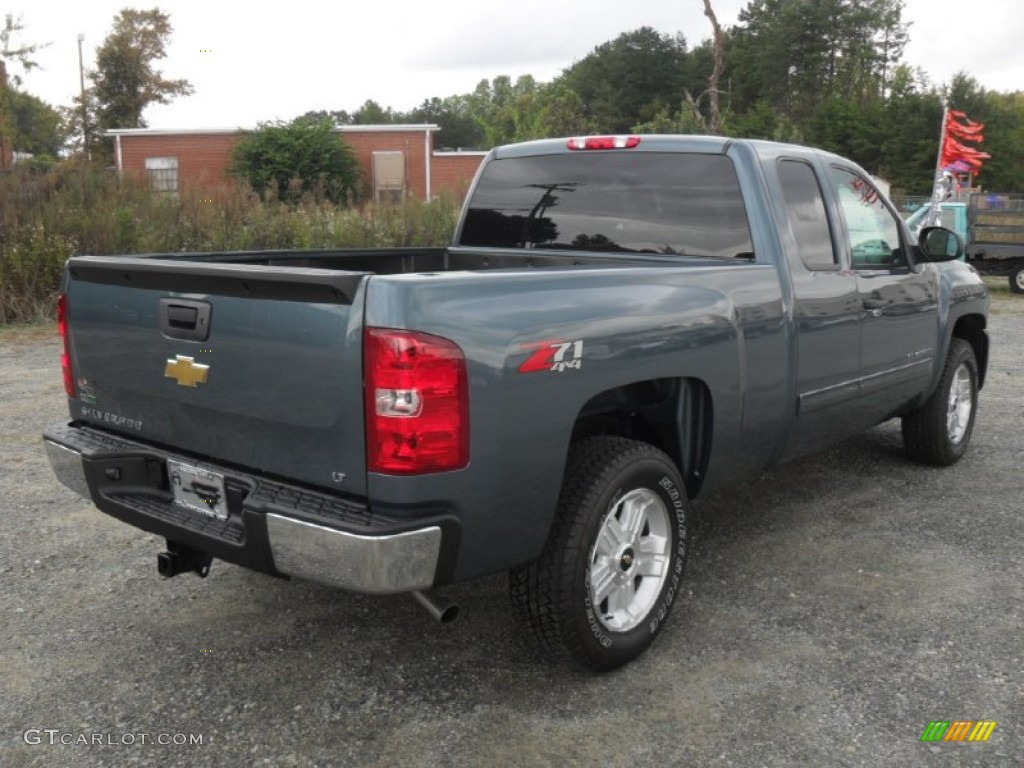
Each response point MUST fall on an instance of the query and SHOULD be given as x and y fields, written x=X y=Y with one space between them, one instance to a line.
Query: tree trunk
x=715 y=123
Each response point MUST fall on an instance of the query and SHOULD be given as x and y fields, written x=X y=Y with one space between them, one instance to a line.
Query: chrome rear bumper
x=400 y=562
x=259 y=533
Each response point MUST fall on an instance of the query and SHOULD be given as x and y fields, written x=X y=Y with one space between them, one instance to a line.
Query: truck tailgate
x=254 y=365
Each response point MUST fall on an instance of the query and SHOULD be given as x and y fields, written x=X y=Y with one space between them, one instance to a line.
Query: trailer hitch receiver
x=180 y=558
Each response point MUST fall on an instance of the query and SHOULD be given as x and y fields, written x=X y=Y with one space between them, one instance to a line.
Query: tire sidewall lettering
x=599 y=634
x=973 y=375
x=616 y=498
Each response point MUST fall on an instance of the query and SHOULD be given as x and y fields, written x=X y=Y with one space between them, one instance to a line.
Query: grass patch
x=29 y=333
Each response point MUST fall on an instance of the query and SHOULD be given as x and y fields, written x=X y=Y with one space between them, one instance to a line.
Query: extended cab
x=621 y=324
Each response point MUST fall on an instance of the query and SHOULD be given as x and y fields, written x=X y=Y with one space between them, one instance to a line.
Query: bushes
x=30 y=271
x=80 y=209
x=296 y=159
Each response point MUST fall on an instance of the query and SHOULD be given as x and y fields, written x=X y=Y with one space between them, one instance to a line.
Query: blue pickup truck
x=621 y=324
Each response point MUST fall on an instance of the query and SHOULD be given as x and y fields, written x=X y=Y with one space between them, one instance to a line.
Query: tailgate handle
x=182 y=317
x=185 y=319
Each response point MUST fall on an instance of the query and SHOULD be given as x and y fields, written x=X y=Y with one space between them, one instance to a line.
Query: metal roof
x=391 y=128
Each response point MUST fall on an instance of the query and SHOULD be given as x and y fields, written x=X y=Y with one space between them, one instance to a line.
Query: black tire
x=939 y=432
x=1017 y=279
x=610 y=484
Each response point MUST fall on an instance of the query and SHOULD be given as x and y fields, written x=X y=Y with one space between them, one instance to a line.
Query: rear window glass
x=675 y=204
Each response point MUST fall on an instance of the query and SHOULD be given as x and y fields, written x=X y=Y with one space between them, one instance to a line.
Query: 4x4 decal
x=554 y=356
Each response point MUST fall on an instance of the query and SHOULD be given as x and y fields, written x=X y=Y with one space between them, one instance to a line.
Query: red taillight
x=65 y=355
x=603 y=142
x=417 y=403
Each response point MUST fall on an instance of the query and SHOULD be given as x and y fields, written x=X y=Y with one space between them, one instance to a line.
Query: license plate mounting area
x=198 y=489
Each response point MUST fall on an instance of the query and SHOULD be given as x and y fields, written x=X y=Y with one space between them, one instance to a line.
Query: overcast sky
x=249 y=65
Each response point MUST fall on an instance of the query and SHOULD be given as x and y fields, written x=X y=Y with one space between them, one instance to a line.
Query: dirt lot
x=833 y=608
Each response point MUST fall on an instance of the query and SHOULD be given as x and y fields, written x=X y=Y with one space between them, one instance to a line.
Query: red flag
x=952 y=151
x=966 y=132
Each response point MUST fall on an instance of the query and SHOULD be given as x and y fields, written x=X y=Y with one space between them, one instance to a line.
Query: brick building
x=396 y=161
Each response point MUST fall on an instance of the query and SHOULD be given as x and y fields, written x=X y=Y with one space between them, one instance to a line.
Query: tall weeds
x=82 y=210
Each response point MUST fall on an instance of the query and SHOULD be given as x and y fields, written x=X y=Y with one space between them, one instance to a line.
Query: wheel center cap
x=626 y=561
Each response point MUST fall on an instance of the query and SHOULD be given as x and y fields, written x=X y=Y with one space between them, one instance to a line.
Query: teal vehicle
x=992 y=227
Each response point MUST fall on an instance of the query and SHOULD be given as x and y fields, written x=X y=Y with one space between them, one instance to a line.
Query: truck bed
x=397 y=261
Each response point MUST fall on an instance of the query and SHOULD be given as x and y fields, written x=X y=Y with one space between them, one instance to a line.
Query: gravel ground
x=834 y=606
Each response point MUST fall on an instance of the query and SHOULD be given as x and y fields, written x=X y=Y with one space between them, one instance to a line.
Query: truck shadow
x=375 y=635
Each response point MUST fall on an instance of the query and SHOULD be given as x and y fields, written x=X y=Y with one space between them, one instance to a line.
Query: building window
x=388 y=177
x=162 y=173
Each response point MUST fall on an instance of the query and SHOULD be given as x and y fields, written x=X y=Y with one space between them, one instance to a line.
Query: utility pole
x=85 y=107
x=941 y=190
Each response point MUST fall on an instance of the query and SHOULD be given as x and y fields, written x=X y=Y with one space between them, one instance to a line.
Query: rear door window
x=642 y=202
x=808 y=218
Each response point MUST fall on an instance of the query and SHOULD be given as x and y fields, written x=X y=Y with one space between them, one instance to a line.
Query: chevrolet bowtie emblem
x=186 y=371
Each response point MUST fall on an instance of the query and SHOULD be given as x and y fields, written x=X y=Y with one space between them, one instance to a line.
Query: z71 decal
x=554 y=356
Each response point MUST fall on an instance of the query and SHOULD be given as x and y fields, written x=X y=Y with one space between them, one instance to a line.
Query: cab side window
x=808 y=219
x=873 y=231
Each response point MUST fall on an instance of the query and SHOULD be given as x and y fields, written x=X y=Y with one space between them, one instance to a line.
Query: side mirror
x=940 y=244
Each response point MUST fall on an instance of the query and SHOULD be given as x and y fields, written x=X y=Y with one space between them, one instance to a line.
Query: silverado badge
x=186 y=371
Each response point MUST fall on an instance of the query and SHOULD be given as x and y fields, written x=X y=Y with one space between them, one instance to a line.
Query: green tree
x=796 y=53
x=21 y=54
x=38 y=127
x=125 y=81
x=372 y=113
x=910 y=133
x=290 y=160
x=338 y=116
x=1003 y=116
x=454 y=116
x=966 y=94
x=493 y=105
x=559 y=111
x=850 y=129
x=508 y=111
x=700 y=103
x=1004 y=140
x=629 y=79
x=822 y=72
x=76 y=136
